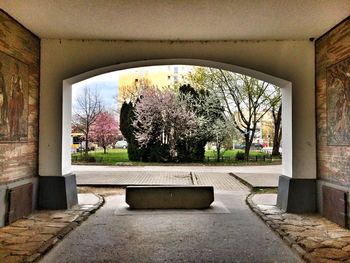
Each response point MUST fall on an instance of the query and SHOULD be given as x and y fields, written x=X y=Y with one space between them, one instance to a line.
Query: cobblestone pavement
x=134 y=178
x=180 y=175
x=26 y=240
x=314 y=237
x=220 y=181
x=179 y=168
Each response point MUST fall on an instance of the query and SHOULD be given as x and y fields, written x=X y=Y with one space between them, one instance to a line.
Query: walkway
x=228 y=232
x=218 y=176
x=182 y=168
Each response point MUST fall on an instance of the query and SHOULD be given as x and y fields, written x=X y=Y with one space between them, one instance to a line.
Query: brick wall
x=333 y=105
x=19 y=111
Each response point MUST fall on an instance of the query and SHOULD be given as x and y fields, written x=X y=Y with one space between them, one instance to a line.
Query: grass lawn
x=112 y=157
x=232 y=153
x=120 y=157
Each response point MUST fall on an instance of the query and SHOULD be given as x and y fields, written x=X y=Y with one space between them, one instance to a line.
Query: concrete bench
x=169 y=197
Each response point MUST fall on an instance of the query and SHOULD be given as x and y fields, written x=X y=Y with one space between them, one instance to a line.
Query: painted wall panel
x=19 y=101
x=333 y=105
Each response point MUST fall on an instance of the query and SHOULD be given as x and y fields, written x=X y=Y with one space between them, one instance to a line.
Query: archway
x=286 y=87
x=279 y=62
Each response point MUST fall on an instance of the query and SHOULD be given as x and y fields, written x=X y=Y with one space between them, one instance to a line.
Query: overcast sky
x=106 y=84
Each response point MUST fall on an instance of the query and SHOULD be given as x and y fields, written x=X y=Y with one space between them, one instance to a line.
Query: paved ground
x=27 y=239
x=258 y=180
x=314 y=237
x=148 y=175
x=182 y=168
x=228 y=233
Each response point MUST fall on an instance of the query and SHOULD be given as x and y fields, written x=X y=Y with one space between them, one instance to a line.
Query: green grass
x=120 y=157
x=232 y=153
x=113 y=156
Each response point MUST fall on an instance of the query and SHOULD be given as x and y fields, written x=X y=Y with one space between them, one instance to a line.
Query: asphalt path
x=227 y=232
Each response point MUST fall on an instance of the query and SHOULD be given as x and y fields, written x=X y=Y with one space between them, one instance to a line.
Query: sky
x=106 y=84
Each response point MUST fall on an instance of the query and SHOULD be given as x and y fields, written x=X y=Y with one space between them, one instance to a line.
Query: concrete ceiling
x=178 y=19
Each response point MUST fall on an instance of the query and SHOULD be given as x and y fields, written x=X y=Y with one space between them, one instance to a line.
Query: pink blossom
x=105 y=130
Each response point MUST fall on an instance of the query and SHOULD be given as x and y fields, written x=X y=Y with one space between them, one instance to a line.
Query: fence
x=227 y=159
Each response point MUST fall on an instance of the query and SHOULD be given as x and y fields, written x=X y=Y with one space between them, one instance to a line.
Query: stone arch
x=285 y=85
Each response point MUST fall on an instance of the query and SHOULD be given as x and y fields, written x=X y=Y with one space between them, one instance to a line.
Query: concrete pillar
x=57 y=185
x=297 y=185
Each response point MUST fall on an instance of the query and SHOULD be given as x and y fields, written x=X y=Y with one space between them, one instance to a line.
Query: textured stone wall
x=333 y=105
x=19 y=111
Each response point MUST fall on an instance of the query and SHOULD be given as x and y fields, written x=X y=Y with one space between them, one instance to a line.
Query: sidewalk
x=78 y=169
x=314 y=237
x=28 y=239
x=257 y=181
x=218 y=176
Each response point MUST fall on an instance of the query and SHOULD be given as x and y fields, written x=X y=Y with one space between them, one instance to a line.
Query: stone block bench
x=169 y=197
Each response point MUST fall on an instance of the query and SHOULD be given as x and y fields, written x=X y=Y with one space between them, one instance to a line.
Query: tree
x=162 y=118
x=85 y=111
x=192 y=148
x=104 y=130
x=208 y=110
x=127 y=117
x=219 y=131
x=198 y=78
x=246 y=100
x=276 y=111
x=130 y=93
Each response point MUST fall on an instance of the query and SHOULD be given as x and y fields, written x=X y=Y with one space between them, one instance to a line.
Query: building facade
x=131 y=81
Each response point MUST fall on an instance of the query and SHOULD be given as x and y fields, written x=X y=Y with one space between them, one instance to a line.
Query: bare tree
x=133 y=91
x=276 y=111
x=86 y=108
x=246 y=100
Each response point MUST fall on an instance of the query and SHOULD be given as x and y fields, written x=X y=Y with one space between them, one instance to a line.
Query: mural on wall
x=338 y=103
x=13 y=99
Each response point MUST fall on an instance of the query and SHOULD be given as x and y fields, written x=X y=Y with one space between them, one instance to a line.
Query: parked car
x=253 y=147
x=269 y=150
x=92 y=146
x=256 y=146
x=121 y=144
x=239 y=146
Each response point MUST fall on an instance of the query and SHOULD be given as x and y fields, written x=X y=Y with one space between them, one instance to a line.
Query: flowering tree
x=105 y=130
x=162 y=117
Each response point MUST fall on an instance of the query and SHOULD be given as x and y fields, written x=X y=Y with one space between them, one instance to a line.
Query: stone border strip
x=85 y=213
x=251 y=187
x=313 y=237
x=194 y=178
x=275 y=227
x=242 y=181
x=29 y=239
